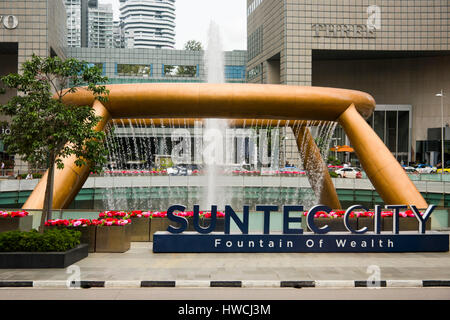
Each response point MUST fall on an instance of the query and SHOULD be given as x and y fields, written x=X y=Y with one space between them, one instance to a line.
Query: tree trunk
x=48 y=199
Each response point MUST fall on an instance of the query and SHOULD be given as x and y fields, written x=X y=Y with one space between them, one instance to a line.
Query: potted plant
x=112 y=235
x=56 y=248
x=15 y=220
x=86 y=228
x=140 y=225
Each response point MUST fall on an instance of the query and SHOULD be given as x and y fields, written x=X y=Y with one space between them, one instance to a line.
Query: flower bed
x=407 y=220
x=15 y=220
x=161 y=223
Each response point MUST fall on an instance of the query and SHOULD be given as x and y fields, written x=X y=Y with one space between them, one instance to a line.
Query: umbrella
x=344 y=148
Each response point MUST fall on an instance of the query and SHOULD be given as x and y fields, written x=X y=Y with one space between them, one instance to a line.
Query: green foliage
x=44 y=130
x=333 y=174
x=333 y=161
x=53 y=240
x=193 y=45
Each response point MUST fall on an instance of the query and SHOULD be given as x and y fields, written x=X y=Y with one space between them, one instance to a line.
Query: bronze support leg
x=386 y=174
x=316 y=169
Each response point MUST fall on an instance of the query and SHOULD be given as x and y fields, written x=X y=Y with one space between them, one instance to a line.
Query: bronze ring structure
x=349 y=108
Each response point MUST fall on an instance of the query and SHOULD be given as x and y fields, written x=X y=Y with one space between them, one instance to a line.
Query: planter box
x=140 y=229
x=21 y=224
x=161 y=224
x=367 y=222
x=406 y=224
x=335 y=224
x=88 y=235
x=34 y=260
x=220 y=224
x=113 y=238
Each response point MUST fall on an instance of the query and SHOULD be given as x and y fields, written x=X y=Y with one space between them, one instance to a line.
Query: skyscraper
x=100 y=28
x=148 y=23
x=89 y=24
x=73 y=8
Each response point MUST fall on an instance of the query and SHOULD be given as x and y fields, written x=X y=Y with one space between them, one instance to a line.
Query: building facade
x=398 y=51
x=158 y=65
x=100 y=26
x=148 y=23
x=28 y=27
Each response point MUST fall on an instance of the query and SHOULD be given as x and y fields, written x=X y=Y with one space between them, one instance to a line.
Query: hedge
x=53 y=240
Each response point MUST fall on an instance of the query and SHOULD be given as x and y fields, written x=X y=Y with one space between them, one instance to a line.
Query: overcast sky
x=193 y=18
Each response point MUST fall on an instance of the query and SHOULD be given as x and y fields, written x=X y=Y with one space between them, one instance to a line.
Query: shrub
x=32 y=241
x=333 y=174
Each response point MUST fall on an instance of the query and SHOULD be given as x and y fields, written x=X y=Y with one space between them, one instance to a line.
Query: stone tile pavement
x=140 y=263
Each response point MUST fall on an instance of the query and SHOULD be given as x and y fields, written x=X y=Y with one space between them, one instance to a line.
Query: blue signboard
x=330 y=242
x=175 y=239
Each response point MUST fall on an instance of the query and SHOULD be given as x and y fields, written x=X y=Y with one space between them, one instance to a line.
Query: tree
x=193 y=45
x=44 y=130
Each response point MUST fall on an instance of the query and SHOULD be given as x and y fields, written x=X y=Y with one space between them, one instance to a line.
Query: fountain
x=215 y=129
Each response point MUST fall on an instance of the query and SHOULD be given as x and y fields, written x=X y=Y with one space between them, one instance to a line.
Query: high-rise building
x=89 y=24
x=73 y=8
x=148 y=23
x=100 y=26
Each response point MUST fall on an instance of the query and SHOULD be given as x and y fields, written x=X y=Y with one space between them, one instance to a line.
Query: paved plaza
x=140 y=263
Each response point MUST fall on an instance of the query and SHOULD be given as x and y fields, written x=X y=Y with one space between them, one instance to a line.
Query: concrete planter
x=113 y=238
x=335 y=224
x=88 y=235
x=21 y=224
x=161 y=224
x=220 y=224
x=140 y=229
x=406 y=224
x=35 y=260
x=366 y=222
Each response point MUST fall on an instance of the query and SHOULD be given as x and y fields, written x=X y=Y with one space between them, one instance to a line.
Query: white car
x=410 y=169
x=426 y=169
x=349 y=172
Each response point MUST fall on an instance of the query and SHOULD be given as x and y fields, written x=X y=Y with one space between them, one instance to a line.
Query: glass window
x=180 y=71
x=391 y=130
x=378 y=123
x=234 y=72
x=403 y=131
x=133 y=70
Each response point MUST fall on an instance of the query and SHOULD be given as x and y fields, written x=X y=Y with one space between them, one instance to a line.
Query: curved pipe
x=229 y=101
